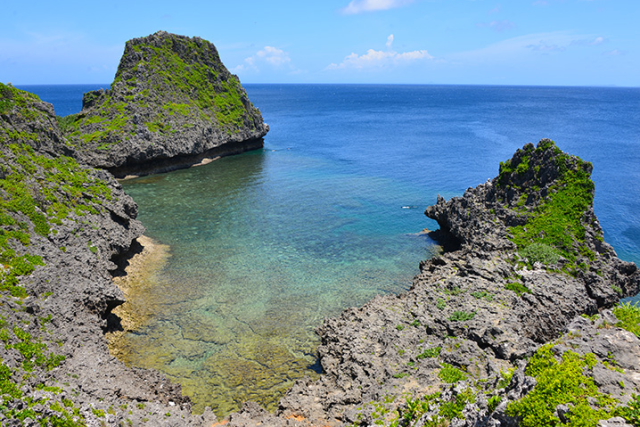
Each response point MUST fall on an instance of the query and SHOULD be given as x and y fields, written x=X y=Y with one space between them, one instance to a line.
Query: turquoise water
x=266 y=244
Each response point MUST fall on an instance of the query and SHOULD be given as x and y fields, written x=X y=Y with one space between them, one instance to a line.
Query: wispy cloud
x=615 y=52
x=380 y=59
x=499 y=26
x=268 y=56
x=44 y=52
x=361 y=6
x=540 y=43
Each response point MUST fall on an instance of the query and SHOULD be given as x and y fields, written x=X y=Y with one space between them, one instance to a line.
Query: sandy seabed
x=141 y=274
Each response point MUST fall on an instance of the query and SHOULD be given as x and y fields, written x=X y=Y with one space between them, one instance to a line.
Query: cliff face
x=172 y=103
x=64 y=228
x=511 y=325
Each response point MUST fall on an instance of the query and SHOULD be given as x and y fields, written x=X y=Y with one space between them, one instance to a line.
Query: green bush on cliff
x=629 y=317
x=540 y=252
x=44 y=191
x=562 y=381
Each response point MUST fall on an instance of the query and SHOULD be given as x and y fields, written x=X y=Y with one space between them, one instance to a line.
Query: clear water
x=266 y=244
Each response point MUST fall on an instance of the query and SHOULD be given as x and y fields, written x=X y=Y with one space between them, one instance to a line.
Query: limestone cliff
x=172 y=103
x=63 y=229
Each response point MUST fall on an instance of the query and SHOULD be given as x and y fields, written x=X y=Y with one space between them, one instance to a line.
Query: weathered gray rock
x=73 y=224
x=172 y=104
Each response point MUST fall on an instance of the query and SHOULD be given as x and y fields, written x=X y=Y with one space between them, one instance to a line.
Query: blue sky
x=515 y=42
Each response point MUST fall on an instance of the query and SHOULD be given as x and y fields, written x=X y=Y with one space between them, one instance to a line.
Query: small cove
x=265 y=245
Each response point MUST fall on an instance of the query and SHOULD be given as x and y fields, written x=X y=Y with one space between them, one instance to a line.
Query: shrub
x=540 y=252
x=462 y=316
x=629 y=317
x=518 y=288
x=430 y=352
x=562 y=382
x=450 y=374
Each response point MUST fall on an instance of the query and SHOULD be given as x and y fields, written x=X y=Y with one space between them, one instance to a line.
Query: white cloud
x=360 y=6
x=390 y=40
x=379 y=59
x=269 y=56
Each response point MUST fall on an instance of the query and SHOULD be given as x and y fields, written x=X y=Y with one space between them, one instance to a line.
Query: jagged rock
x=172 y=104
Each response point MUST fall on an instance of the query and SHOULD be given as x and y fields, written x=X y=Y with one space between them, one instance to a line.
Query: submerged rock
x=172 y=104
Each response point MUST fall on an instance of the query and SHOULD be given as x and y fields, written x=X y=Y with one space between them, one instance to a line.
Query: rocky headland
x=515 y=322
x=172 y=104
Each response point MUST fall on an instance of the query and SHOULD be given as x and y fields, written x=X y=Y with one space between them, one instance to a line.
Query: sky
x=515 y=42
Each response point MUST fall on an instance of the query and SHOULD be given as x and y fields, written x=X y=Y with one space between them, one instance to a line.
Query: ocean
x=267 y=244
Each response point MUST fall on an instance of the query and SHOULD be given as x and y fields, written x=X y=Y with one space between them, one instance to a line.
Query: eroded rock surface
x=64 y=228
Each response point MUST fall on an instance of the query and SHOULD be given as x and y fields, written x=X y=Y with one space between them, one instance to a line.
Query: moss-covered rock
x=172 y=103
x=62 y=227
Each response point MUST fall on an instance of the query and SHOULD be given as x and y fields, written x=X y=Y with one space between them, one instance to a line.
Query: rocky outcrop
x=521 y=296
x=172 y=104
x=64 y=228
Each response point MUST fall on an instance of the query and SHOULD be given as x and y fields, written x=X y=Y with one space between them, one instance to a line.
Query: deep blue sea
x=266 y=244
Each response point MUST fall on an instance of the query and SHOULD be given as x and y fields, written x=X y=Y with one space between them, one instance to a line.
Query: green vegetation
x=507 y=377
x=487 y=296
x=493 y=403
x=518 y=288
x=413 y=409
x=555 y=227
x=629 y=317
x=430 y=352
x=450 y=374
x=559 y=382
x=12 y=98
x=34 y=357
x=45 y=191
x=462 y=316
x=631 y=412
x=540 y=252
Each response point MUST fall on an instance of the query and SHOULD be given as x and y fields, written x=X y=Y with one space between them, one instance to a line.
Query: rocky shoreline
x=516 y=322
x=464 y=345
x=67 y=229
